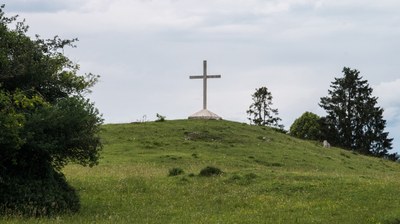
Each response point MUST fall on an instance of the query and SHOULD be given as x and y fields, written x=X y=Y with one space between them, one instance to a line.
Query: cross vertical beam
x=205 y=77
x=204 y=84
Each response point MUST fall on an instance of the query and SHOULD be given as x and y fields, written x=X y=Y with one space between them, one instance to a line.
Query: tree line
x=353 y=120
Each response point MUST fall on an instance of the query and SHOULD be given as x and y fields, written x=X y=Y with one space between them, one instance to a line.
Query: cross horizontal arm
x=202 y=77
x=213 y=76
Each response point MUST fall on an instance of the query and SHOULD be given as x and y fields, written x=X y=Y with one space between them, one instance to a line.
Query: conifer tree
x=353 y=114
x=261 y=112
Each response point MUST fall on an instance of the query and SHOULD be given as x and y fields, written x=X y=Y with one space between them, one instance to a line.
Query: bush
x=175 y=172
x=210 y=171
x=45 y=122
x=47 y=196
x=307 y=126
x=160 y=118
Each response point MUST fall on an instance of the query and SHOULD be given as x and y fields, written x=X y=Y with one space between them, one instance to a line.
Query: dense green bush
x=45 y=122
x=27 y=196
x=307 y=126
x=210 y=171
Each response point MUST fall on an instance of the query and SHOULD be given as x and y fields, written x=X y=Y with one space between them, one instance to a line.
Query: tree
x=355 y=121
x=260 y=111
x=307 y=126
x=45 y=122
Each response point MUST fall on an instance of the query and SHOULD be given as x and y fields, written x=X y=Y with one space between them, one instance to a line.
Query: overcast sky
x=145 y=50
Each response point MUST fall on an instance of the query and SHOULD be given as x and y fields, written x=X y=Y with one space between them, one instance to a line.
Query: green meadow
x=268 y=177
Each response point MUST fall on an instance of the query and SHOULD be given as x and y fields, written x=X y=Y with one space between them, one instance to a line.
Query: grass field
x=268 y=178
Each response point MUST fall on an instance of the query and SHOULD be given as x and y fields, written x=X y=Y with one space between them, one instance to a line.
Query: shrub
x=307 y=126
x=160 y=118
x=210 y=171
x=175 y=172
x=37 y=196
x=46 y=121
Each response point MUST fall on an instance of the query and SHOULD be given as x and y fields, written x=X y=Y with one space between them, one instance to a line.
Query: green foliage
x=354 y=120
x=28 y=196
x=260 y=111
x=45 y=121
x=160 y=118
x=176 y=171
x=10 y=125
x=67 y=131
x=307 y=126
x=210 y=171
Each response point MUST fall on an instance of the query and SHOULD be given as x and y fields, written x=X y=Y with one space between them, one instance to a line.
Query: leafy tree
x=45 y=122
x=260 y=111
x=307 y=126
x=354 y=119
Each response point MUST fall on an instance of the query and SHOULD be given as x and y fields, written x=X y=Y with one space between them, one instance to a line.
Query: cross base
x=205 y=115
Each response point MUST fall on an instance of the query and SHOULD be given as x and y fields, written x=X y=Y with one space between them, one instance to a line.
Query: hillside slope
x=268 y=178
x=235 y=146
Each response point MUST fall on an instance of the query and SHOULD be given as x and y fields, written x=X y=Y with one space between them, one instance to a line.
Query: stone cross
x=205 y=77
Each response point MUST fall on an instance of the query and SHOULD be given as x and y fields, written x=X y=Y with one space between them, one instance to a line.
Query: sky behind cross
x=144 y=49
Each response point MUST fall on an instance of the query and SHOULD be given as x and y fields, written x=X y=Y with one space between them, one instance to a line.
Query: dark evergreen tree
x=45 y=122
x=260 y=111
x=354 y=119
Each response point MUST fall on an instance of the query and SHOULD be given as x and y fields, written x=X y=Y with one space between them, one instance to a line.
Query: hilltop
x=268 y=177
x=234 y=146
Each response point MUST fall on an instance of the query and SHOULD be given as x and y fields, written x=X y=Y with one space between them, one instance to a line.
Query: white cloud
x=388 y=93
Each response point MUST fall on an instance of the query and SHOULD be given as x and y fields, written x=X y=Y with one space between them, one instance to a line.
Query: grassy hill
x=268 y=178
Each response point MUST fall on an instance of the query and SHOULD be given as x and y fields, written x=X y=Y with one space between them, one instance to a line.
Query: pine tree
x=260 y=112
x=354 y=116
